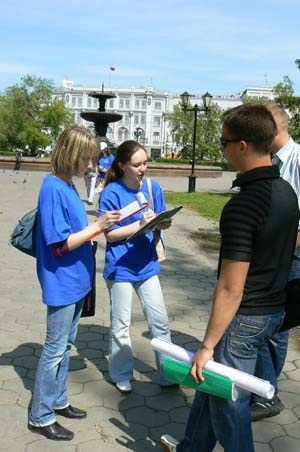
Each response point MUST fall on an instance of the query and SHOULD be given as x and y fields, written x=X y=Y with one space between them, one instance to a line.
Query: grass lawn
x=208 y=205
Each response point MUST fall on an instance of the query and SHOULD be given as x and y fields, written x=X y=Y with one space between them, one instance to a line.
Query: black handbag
x=89 y=305
x=292 y=306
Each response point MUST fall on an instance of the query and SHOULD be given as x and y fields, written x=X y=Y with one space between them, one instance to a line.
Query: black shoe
x=71 y=412
x=53 y=431
x=170 y=386
x=269 y=408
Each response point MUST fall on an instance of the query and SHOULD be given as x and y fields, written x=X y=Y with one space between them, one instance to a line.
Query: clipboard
x=164 y=216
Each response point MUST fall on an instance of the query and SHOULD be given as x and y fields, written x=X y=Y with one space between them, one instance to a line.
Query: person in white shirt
x=271 y=358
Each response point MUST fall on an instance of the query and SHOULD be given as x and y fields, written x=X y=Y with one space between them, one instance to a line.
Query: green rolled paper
x=214 y=384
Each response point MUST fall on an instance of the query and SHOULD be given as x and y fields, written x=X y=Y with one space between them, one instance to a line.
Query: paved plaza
x=116 y=422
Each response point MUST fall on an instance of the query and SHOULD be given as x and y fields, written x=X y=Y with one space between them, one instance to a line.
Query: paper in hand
x=134 y=207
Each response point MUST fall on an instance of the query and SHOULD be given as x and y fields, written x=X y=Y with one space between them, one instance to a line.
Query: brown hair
x=74 y=144
x=253 y=123
x=123 y=155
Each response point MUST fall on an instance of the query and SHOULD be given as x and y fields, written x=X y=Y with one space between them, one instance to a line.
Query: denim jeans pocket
x=247 y=335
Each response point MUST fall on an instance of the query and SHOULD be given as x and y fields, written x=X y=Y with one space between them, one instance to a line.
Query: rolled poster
x=241 y=379
x=215 y=384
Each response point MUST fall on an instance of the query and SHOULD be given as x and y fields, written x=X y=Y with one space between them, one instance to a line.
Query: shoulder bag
x=159 y=244
x=23 y=236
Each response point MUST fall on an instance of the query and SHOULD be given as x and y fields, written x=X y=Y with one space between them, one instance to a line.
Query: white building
x=143 y=109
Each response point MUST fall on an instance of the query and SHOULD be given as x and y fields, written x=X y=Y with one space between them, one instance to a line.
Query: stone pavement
x=115 y=422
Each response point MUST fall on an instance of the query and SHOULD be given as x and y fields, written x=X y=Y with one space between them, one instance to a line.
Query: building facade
x=143 y=112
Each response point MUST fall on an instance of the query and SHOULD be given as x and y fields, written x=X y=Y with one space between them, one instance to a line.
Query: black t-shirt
x=259 y=225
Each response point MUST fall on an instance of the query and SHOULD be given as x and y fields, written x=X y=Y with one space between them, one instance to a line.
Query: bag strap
x=149 y=185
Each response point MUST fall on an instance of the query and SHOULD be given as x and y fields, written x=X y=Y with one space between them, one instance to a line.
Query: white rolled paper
x=241 y=379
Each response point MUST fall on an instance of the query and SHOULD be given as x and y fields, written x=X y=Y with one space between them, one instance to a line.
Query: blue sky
x=174 y=45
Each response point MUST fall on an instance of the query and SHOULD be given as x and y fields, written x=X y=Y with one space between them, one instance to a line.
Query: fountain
x=100 y=117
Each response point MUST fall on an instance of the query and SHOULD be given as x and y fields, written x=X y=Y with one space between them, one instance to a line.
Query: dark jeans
x=270 y=360
x=214 y=419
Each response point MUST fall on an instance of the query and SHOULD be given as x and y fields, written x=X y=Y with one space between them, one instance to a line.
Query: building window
x=73 y=101
x=136 y=119
x=155 y=137
x=111 y=103
x=96 y=103
x=137 y=104
x=123 y=134
x=156 y=121
x=80 y=102
x=126 y=119
x=143 y=119
x=144 y=106
x=89 y=102
x=121 y=103
x=127 y=104
x=157 y=105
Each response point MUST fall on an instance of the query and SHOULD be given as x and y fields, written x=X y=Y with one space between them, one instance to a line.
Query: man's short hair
x=253 y=123
x=280 y=115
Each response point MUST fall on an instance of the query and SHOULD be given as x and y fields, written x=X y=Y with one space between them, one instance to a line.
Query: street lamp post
x=185 y=97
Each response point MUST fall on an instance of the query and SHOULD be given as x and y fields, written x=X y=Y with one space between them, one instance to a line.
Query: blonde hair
x=75 y=143
x=280 y=116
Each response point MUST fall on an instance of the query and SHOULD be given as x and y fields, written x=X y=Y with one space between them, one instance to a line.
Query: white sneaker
x=169 y=443
x=124 y=386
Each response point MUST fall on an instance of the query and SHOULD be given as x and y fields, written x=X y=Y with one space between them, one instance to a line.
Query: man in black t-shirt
x=258 y=234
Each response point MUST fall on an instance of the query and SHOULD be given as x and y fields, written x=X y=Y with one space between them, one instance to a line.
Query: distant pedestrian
x=104 y=162
x=18 y=159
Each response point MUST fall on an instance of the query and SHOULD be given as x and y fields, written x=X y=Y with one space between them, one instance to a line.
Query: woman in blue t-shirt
x=132 y=264
x=65 y=269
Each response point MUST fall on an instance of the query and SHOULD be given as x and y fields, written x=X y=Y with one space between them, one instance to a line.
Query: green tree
x=29 y=117
x=207 y=133
x=255 y=100
x=286 y=98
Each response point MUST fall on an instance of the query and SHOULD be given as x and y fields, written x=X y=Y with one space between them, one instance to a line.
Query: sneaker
x=124 y=386
x=169 y=443
x=260 y=410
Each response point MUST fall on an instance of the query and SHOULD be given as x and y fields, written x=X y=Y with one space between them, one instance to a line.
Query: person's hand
x=165 y=224
x=108 y=219
x=147 y=217
x=200 y=359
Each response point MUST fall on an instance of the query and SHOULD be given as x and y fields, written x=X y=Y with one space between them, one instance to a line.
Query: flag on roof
x=112 y=68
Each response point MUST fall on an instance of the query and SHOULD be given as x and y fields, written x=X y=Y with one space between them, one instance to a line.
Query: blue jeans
x=50 y=389
x=214 y=419
x=270 y=361
x=150 y=295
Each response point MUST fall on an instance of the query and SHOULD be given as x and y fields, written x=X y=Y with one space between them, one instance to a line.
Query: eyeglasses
x=223 y=143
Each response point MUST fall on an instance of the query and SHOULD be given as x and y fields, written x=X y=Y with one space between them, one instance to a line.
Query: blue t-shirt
x=136 y=260
x=105 y=162
x=67 y=279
